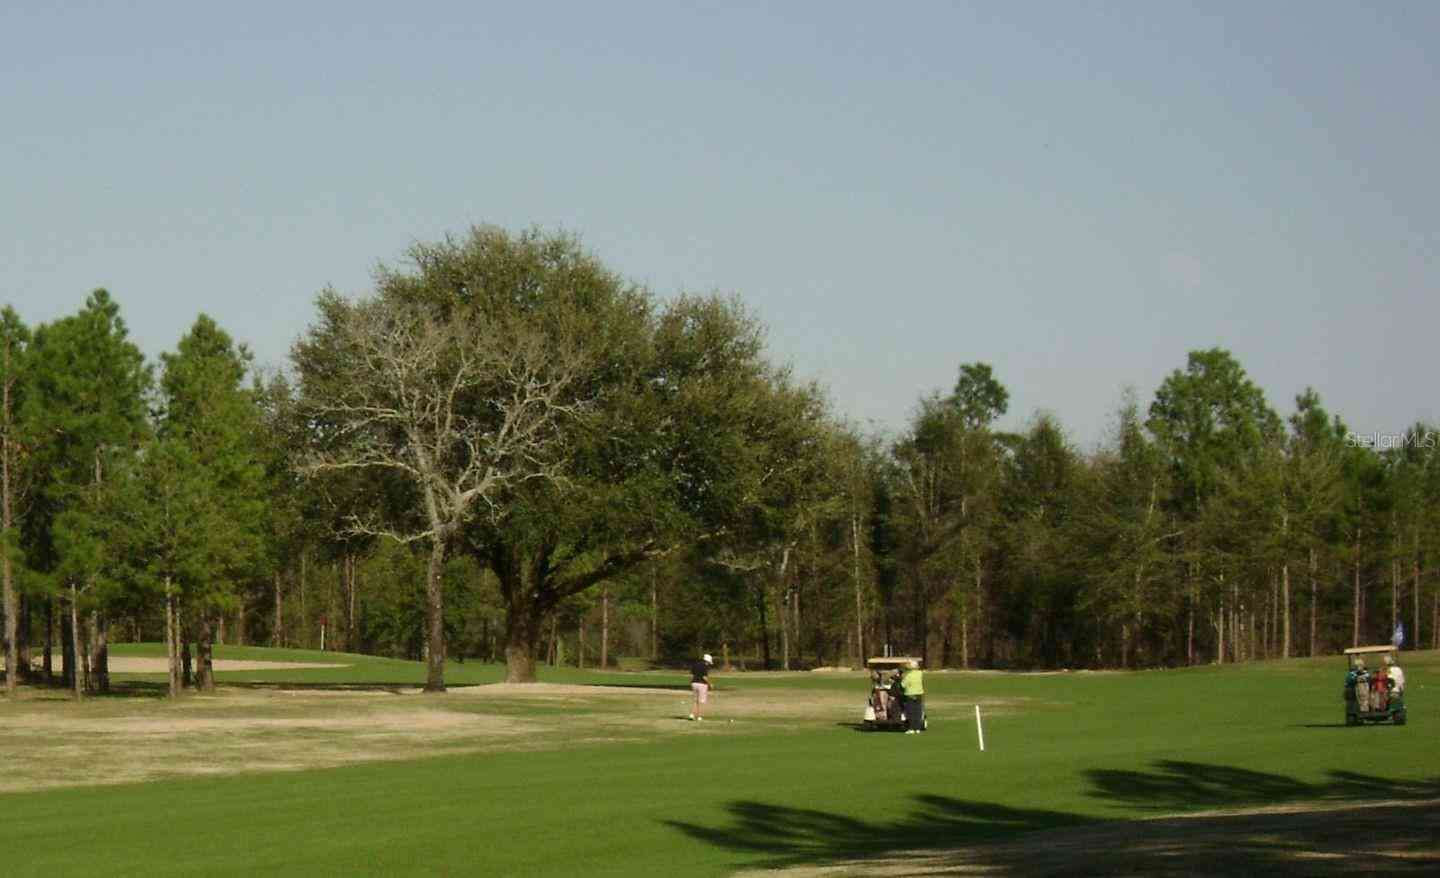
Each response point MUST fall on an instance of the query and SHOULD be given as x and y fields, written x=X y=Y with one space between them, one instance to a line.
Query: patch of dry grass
x=126 y=740
x=58 y=742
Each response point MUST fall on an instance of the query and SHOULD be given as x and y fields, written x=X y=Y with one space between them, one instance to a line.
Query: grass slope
x=1063 y=750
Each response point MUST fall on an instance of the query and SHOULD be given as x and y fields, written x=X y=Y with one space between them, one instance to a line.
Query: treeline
x=508 y=452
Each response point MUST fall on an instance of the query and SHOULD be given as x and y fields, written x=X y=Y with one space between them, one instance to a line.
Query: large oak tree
x=450 y=397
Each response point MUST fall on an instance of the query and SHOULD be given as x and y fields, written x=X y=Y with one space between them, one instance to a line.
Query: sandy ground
x=1317 y=839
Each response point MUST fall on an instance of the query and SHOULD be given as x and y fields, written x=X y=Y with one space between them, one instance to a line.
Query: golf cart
x=883 y=710
x=1370 y=695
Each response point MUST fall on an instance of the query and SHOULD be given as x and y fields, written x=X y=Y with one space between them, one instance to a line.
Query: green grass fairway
x=614 y=785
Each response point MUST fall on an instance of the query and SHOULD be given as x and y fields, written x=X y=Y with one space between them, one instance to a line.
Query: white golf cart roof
x=1367 y=650
x=893 y=661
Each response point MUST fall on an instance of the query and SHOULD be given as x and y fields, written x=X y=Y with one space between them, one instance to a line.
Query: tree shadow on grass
x=118 y=691
x=785 y=836
x=1334 y=834
x=1175 y=786
x=134 y=689
x=1336 y=841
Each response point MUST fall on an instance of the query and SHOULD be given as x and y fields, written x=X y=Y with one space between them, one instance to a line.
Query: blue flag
x=1399 y=639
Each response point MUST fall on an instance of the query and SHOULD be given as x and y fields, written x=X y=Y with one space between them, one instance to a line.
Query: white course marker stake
x=979 y=728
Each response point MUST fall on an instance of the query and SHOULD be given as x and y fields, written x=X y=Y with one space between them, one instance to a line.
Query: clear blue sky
x=1076 y=193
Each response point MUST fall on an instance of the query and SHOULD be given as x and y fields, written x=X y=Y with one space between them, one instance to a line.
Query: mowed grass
x=790 y=781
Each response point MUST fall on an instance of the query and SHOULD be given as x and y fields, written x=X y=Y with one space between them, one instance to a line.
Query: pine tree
x=210 y=410
x=88 y=400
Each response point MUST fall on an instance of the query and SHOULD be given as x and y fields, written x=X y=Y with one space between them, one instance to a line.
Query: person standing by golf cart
x=700 y=685
x=1397 y=677
x=912 y=687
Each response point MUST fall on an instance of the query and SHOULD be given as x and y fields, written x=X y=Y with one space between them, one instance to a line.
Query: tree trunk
x=76 y=675
x=580 y=644
x=1355 y=632
x=49 y=660
x=965 y=633
x=1314 y=598
x=795 y=620
x=435 y=620
x=351 y=629
x=1285 y=608
x=654 y=617
x=1237 y=612
x=277 y=636
x=859 y=604
x=172 y=649
x=887 y=628
x=1220 y=621
x=1394 y=592
x=12 y=622
x=304 y=619
x=1276 y=632
x=187 y=676
x=764 y=630
x=67 y=657
x=605 y=626
x=204 y=654
x=1190 y=623
x=1267 y=624
x=99 y=652
x=984 y=612
x=783 y=604
x=1415 y=574
x=7 y=574
x=22 y=648
x=522 y=635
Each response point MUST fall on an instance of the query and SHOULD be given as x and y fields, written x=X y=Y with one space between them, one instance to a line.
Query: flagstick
x=979 y=728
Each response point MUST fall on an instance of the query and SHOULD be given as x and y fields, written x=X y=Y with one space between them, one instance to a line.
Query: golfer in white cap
x=1396 y=675
x=700 y=685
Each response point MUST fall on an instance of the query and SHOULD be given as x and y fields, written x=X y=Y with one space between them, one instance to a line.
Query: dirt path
x=1319 y=839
